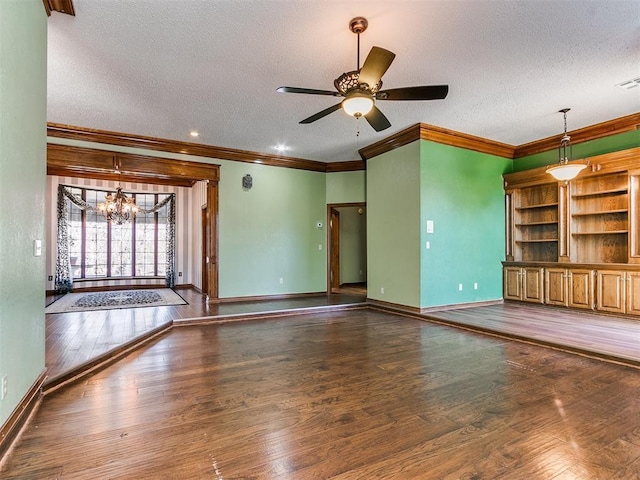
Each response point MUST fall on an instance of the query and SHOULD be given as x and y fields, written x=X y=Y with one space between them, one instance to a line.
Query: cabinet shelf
x=607 y=232
x=540 y=205
x=535 y=224
x=612 y=191
x=538 y=240
x=600 y=212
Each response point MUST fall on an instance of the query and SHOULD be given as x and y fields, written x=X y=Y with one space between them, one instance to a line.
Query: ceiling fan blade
x=426 y=92
x=308 y=91
x=377 y=62
x=377 y=119
x=321 y=114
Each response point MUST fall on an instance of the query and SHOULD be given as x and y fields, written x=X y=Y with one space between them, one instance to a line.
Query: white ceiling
x=164 y=67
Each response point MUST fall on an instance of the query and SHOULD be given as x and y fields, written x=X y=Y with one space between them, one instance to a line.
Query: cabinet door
x=581 y=288
x=633 y=293
x=611 y=291
x=512 y=283
x=556 y=286
x=533 y=285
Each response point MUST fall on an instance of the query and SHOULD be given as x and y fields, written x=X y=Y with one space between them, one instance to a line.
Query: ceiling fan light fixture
x=357 y=104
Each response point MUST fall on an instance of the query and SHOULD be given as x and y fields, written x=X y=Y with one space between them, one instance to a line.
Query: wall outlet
x=281 y=280
x=382 y=290
x=5 y=387
x=475 y=286
x=459 y=287
x=51 y=278
x=319 y=246
x=179 y=274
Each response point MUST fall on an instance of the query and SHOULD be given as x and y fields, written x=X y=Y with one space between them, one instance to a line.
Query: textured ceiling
x=164 y=67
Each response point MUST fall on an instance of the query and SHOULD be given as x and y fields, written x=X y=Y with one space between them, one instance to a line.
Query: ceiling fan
x=361 y=88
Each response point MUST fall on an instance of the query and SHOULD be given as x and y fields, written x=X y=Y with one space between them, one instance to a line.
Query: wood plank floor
x=347 y=395
x=613 y=337
x=73 y=339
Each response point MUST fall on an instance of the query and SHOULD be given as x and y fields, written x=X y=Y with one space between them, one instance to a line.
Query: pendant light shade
x=565 y=171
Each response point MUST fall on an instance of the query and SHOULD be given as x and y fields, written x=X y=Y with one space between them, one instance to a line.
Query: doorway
x=347 y=249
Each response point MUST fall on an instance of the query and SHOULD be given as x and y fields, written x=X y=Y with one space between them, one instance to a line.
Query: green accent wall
x=393 y=226
x=270 y=232
x=462 y=192
x=23 y=102
x=599 y=146
x=346 y=187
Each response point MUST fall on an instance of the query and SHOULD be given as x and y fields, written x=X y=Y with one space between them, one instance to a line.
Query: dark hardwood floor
x=74 y=340
x=358 y=394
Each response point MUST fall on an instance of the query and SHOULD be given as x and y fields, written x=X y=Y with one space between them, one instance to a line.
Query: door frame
x=210 y=241
x=330 y=253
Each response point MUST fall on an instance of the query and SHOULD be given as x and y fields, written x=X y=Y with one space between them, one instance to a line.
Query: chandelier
x=118 y=207
x=564 y=170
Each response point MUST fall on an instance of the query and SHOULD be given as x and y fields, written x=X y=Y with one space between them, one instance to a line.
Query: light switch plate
x=37 y=248
x=429 y=226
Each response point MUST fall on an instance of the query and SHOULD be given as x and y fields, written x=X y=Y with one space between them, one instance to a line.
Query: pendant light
x=564 y=170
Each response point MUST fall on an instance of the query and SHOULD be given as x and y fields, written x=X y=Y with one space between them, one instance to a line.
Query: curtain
x=64 y=277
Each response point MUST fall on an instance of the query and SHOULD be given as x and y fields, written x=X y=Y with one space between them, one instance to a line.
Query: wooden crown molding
x=419 y=131
x=581 y=135
x=423 y=131
x=173 y=146
x=62 y=6
x=64 y=160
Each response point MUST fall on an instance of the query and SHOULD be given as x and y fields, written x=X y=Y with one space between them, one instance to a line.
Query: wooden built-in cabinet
x=524 y=283
x=576 y=244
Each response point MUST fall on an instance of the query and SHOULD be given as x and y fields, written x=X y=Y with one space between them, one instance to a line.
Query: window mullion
x=133 y=239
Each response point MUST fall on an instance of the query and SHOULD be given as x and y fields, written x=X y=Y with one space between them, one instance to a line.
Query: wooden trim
x=423 y=131
x=105 y=359
x=27 y=407
x=403 y=137
x=287 y=312
x=285 y=296
x=351 y=166
x=466 y=141
x=174 y=146
x=458 y=306
x=212 y=248
x=592 y=132
x=113 y=288
x=62 y=6
x=72 y=161
x=392 y=307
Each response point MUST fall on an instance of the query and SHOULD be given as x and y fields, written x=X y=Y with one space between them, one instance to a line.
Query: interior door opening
x=347 y=249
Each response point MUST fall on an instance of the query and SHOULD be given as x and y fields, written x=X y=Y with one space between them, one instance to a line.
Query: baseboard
x=237 y=317
x=458 y=306
x=25 y=409
x=259 y=298
x=392 y=306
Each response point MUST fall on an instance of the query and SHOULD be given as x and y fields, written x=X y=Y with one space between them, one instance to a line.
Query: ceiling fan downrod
x=358 y=25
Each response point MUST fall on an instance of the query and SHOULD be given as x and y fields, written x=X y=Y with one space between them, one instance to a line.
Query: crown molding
x=350 y=166
x=65 y=160
x=423 y=131
x=173 y=146
x=581 y=135
x=62 y=6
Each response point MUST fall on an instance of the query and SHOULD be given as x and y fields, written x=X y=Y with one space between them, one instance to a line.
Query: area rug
x=83 y=302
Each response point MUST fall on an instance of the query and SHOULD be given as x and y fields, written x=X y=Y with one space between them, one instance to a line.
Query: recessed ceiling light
x=193 y=133
x=281 y=148
x=629 y=84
